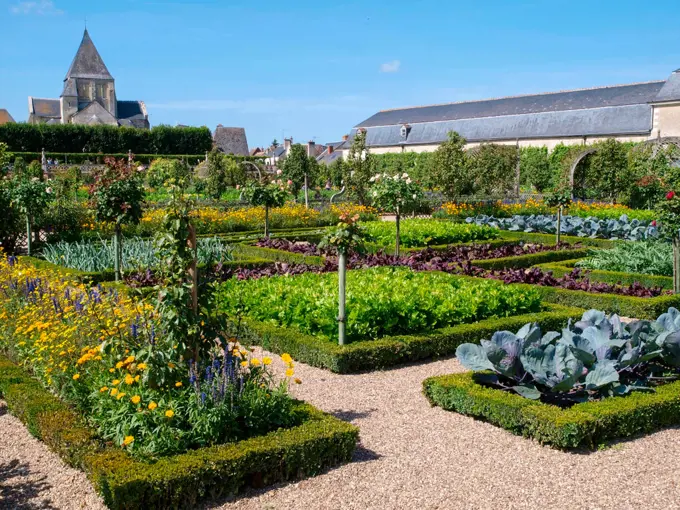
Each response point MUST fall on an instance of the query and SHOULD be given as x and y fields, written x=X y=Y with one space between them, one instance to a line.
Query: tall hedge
x=78 y=138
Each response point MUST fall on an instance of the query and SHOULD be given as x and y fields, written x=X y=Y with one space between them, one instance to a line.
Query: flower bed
x=427 y=232
x=380 y=302
x=320 y=441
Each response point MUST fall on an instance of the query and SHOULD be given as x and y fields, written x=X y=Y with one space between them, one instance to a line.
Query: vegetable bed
x=427 y=232
x=380 y=301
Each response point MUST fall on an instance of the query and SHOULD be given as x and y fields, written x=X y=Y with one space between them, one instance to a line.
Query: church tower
x=87 y=81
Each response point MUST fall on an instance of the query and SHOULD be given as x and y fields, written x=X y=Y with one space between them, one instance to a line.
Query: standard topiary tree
x=119 y=196
x=267 y=195
x=358 y=168
x=31 y=197
x=396 y=194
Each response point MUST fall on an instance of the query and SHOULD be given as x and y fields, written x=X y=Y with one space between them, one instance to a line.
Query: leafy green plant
x=596 y=357
x=161 y=170
x=429 y=233
x=30 y=196
x=381 y=301
x=358 y=168
x=268 y=195
x=647 y=257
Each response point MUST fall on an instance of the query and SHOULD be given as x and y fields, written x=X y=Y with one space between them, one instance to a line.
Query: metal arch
x=339 y=193
x=259 y=172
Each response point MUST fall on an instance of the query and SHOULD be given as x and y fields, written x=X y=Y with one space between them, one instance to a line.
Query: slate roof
x=621 y=95
x=88 y=63
x=50 y=108
x=231 y=140
x=69 y=88
x=5 y=117
x=327 y=159
x=671 y=89
x=621 y=120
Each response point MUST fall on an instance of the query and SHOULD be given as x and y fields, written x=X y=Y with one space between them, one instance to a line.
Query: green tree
x=296 y=166
x=449 y=167
x=358 y=168
x=31 y=197
x=267 y=195
x=493 y=168
x=609 y=168
x=217 y=182
x=5 y=158
x=161 y=170
x=535 y=168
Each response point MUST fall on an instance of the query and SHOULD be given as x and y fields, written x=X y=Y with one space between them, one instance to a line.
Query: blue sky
x=312 y=70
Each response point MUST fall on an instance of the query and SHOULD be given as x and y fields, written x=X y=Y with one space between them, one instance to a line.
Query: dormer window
x=405 y=129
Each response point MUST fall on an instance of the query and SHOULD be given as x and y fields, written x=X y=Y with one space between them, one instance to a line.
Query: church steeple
x=87 y=62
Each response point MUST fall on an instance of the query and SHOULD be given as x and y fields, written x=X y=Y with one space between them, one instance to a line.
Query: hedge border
x=272 y=254
x=392 y=350
x=614 y=277
x=585 y=425
x=535 y=237
x=179 y=481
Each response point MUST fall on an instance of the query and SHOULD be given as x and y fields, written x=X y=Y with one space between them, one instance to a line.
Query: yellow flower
x=142 y=366
x=128 y=440
x=178 y=384
x=244 y=363
x=119 y=364
x=266 y=360
x=153 y=405
x=290 y=372
x=114 y=392
x=112 y=370
x=136 y=378
x=129 y=379
x=120 y=395
x=136 y=399
x=129 y=359
x=76 y=377
x=116 y=382
x=255 y=362
x=286 y=358
x=171 y=365
x=169 y=413
x=103 y=389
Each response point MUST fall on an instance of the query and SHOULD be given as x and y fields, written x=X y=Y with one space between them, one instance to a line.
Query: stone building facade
x=88 y=96
x=635 y=112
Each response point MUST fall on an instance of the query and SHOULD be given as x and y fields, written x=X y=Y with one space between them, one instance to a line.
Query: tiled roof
x=5 y=117
x=231 y=140
x=50 y=108
x=88 y=63
x=620 y=120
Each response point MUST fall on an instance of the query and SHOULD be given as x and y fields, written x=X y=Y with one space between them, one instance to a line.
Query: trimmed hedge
x=76 y=158
x=178 y=481
x=614 y=277
x=584 y=425
x=392 y=350
x=532 y=237
x=272 y=254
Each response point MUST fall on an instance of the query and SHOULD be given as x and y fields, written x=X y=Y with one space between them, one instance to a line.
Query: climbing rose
x=670 y=195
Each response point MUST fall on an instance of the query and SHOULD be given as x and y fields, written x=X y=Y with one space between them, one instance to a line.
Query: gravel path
x=411 y=456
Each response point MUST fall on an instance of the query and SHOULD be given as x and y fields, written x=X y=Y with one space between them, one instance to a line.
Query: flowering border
x=585 y=425
x=178 y=481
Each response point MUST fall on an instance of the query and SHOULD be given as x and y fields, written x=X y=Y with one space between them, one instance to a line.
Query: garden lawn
x=380 y=301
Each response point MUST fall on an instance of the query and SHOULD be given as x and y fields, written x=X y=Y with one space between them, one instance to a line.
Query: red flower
x=670 y=195
x=654 y=223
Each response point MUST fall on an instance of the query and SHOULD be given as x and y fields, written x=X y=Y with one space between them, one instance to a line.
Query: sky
x=313 y=70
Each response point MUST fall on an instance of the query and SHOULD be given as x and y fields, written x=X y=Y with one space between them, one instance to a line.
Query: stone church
x=88 y=96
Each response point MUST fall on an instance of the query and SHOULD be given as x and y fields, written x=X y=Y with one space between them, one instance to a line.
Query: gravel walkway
x=411 y=456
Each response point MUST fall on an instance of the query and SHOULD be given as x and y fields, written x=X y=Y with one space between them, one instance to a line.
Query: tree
x=275 y=143
x=268 y=195
x=30 y=196
x=296 y=167
x=119 y=197
x=449 y=167
x=493 y=168
x=535 y=168
x=358 y=168
x=161 y=170
x=609 y=169
x=395 y=194
x=5 y=158
x=216 y=183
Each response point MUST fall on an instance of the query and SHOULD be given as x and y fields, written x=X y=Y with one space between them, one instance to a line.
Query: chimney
x=345 y=138
x=330 y=149
x=287 y=142
x=311 y=149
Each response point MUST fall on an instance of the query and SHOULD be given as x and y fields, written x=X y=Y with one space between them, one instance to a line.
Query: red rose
x=670 y=195
x=654 y=223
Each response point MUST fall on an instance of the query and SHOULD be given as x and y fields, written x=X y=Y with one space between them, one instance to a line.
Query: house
x=634 y=112
x=5 y=117
x=88 y=96
x=231 y=140
x=332 y=151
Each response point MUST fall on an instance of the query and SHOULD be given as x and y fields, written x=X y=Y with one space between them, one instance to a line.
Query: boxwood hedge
x=178 y=481
x=392 y=350
x=585 y=425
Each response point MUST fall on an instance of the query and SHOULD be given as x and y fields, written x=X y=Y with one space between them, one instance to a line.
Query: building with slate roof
x=635 y=112
x=88 y=96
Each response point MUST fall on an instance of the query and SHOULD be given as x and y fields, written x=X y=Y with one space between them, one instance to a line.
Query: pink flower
x=238 y=186
x=670 y=195
x=279 y=172
x=290 y=182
